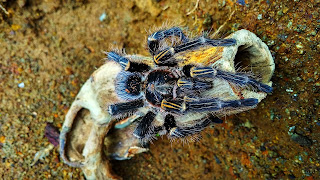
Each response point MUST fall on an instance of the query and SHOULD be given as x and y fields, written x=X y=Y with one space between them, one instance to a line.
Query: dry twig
x=5 y=11
x=196 y=6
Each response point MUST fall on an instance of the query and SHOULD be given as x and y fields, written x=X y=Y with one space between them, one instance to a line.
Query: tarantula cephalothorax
x=176 y=97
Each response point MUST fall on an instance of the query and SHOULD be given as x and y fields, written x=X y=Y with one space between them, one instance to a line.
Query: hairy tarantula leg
x=203 y=72
x=145 y=128
x=190 y=105
x=237 y=78
x=126 y=64
x=181 y=132
x=177 y=106
x=204 y=41
x=192 y=84
x=163 y=57
x=217 y=104
x=119 y=108
x=155 y=38
x=242 y=79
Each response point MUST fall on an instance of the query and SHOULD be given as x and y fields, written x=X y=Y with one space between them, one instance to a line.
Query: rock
x=259 y=17
x=301 y=140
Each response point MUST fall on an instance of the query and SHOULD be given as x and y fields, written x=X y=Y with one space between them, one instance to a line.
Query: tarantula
x=170 y=97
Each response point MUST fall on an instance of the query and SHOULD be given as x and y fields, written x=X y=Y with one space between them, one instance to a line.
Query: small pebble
x=299 y=45
x=301 y=140
x=21 y=85
x=241 y=2
x=103 y=16
x=289 y=90
x=271 y=42
x=217 y=159
x=271 y=115
x=52 y=133
x=262 y=148
x=291 y=130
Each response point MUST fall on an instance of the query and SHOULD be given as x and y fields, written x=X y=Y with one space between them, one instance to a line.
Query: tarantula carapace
x=171 y=98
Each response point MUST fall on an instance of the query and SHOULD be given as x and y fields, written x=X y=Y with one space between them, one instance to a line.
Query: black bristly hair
x=159 y=86
x=181 y=132
x=145 y=129
x=155 y=38
x=126 y=64
x=187 y=86
x=169 y=122
x=126 y=107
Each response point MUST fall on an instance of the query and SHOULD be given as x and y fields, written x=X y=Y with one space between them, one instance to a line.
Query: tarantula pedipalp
x=176 y=96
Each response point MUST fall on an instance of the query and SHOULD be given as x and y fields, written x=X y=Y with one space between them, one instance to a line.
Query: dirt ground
x=48 y=49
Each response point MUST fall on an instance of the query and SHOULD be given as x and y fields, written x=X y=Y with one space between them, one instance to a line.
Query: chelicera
x=169 y=97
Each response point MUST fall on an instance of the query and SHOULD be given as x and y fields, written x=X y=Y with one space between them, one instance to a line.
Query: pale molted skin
x=85 y=139
x=87 y=123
